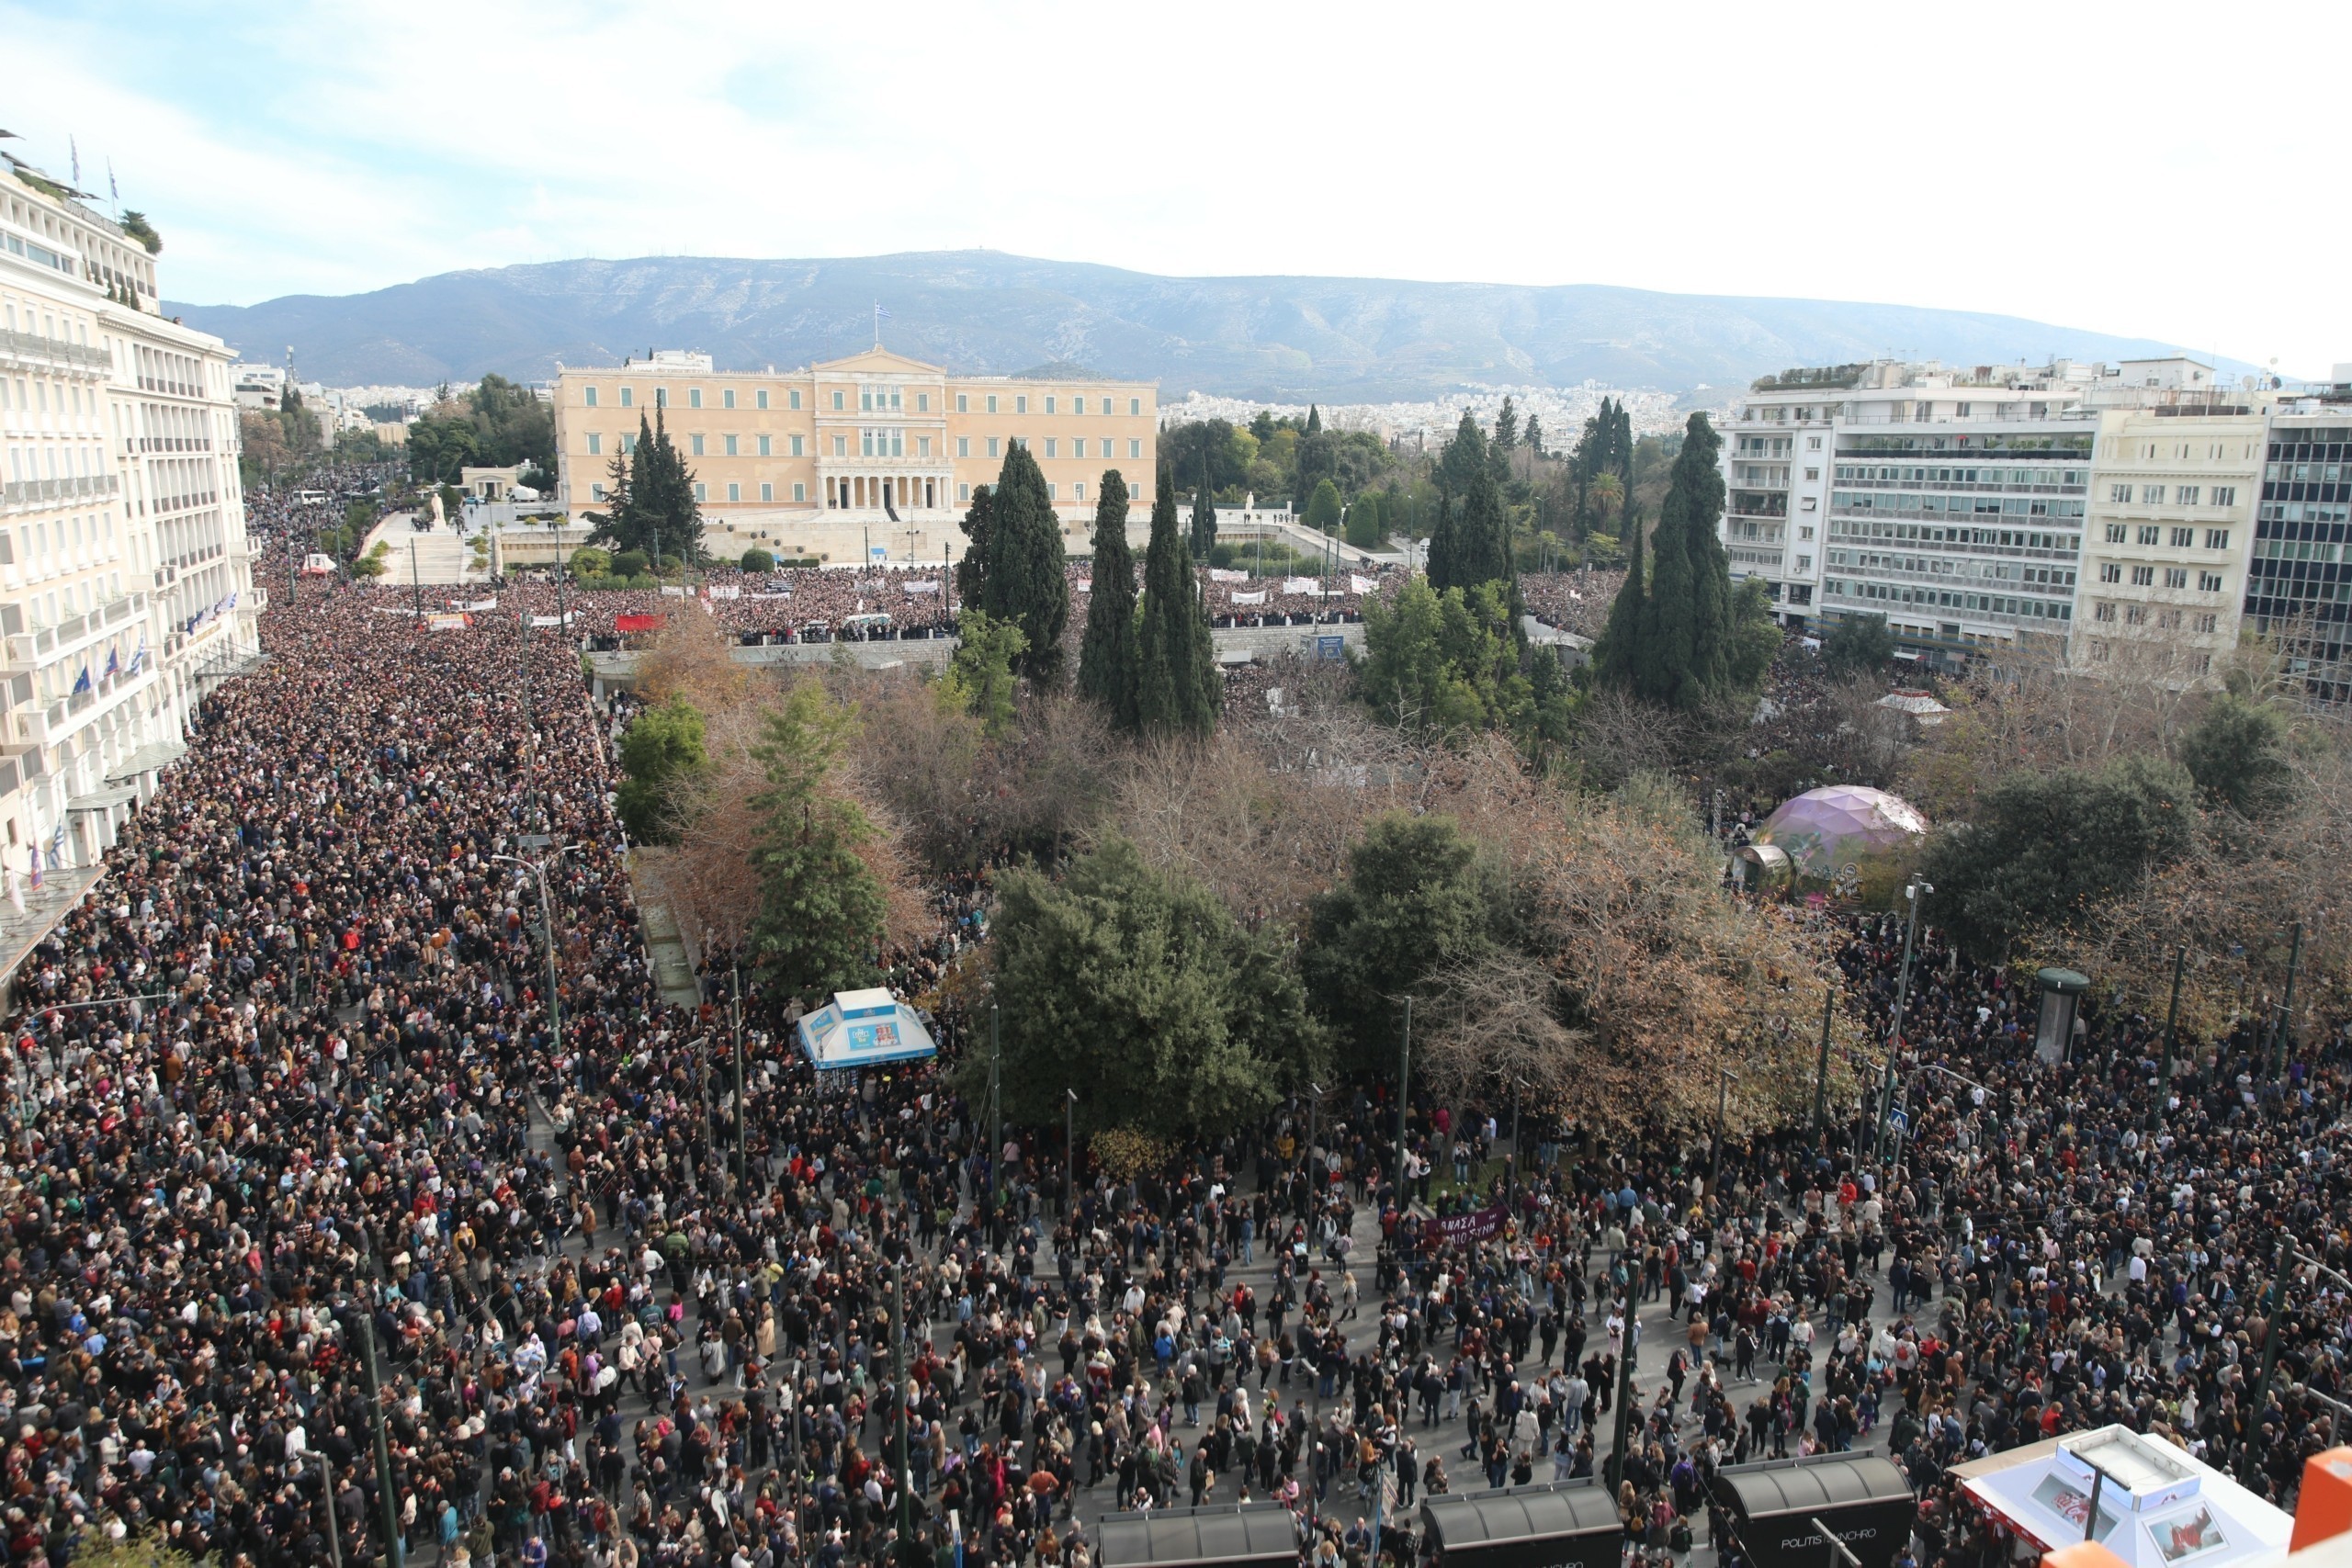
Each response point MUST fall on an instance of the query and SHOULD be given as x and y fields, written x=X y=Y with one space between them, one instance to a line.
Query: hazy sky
x=2169 y=171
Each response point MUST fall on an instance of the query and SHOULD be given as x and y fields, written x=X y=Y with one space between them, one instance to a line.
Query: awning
x=1251 y=1533
x=60 y=889
x=1866 y=1503
x=104 y=799
x=2157 y=1504
x=1568 y=1524
x=146 y=760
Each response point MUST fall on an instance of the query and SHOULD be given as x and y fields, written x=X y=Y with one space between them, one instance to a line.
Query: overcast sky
x=2173 y=172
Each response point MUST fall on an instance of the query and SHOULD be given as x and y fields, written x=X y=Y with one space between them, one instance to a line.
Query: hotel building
x=875 y=444
x=124 y=583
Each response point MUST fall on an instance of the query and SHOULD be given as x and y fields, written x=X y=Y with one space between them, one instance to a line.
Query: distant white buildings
x=1561 y=411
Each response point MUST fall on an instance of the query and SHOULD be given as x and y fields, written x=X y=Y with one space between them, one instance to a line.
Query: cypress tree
x=1108 y=657
x=1313 y=421
x=1618 y=655
x=972 y=572
x=1694 y=499
x=1024 y=581
x=1482 y=536
x=1176 y=687
x=1204 y=514
x=1666 y=631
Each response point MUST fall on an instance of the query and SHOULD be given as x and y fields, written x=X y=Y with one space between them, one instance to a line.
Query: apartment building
x=2171 y=524
x=124 y=587
x=2298 y=579
x=876 y=440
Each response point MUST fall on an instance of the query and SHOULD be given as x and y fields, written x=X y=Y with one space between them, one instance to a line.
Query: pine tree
x=1535 y=435
x=1024 y=580
x=1108 y=656
x=1483 y=536
x=1506 y=426
x=972 y=572
x=1313 y=421
x=1178 y=687
x=1204 y=516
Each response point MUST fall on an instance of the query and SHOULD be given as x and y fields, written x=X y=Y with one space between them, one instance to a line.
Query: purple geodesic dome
x=1824 y=831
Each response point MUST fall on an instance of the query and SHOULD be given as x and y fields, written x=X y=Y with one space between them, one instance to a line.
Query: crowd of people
x=329 y=1219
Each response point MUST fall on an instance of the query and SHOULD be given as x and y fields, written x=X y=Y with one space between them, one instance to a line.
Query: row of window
x=1937 y=598
x=2037 y=579
x=2305 y=512
x=1877 y=473
x=873 y=400
x=1970 y=505
x=800 y=491
x=2152 y=534
x=2205 y=623
x=2182 y=495
x=1921 y=534
x=2176 y=577
x=883 y=442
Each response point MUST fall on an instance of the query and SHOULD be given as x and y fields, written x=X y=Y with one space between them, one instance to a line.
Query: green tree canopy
x=820 y=905
x=1136 y=988
x=1418 y=900
x=1857 y=644
x=1323 y=507
x=1022 y=580
x=987 y=650
x=651 y=506
x=756 y=559
x=1179 y=688
x=972 y=570
x=1364 y=527
x=662 y=751
x=1109 y=655
x=2238 y=754
x=1679 y=638
x=1471 y=543
x=2043 y=850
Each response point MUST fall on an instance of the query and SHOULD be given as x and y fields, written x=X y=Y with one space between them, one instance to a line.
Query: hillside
x=984 y=311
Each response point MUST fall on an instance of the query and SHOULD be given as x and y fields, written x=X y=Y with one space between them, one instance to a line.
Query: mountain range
x=986 y=313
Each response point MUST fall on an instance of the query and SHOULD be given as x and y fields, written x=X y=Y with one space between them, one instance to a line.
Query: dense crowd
x=301 y=1143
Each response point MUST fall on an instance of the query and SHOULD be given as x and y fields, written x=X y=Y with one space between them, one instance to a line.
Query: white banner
x=727 y=591
x=1300 y=585
x=670 y=592
x=1360 y=584
x=931 y=587
x=564 y=619
x=1219 y=574
x=1257 y=598
x=490 y=603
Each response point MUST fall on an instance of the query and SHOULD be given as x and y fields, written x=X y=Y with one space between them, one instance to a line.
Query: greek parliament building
x=875 y=453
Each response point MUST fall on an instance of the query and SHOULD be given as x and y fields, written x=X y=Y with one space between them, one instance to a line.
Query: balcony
x=17 y=494
x=33 y=350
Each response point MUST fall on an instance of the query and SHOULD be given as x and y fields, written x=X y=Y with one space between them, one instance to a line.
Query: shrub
x=757 y=560
x=589 y=562
x=628 y=563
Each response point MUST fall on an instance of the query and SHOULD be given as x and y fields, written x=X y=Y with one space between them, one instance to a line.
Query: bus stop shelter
x=1239 y=1534
x=1779 y=1510
x=1566 y=1524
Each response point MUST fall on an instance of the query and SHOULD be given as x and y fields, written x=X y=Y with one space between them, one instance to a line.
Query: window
x=596 y=444
x=588 y=396
x=963 y=402
x=2168 y=620
x=629 y=446
x=2176 y=577
x=1051 y=443
x=840 y=445
x=2217 y=538
x=799 y=490
x=1049 y=405
x=697 y=445
x=1135 y=449
x=2119 y=495
x=2144 y=577
x=730 y=444
x=595 y=493
x=628 y=397
x=759 y=398
x=923 y=445
x=963 y=492
x=2209 y=582
x=693 y=397
x=2184 y=538
x=991 y=402
x=2209 y=623
x=963 y=446
x=660 y=397
x=767 y=492
x=1811 y=475
x=727 y=398
x=2104 y=612
x=837 y=399
x=702 y=491
x=734 y=491
x=1053 y=490
x=1021 y=403
x=2135 y=614
x=797 y=442
x=2150 y=534
x=1135 y=407
x=993 y=447
x=2110 y=572
x=2152 y=495
x=766 y=448
x=1078 y=490
x=795 y=398
x=2184 y=495
x=2226 y=495
x=2115 y=533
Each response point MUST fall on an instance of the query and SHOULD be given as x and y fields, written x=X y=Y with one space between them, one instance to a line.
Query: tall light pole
x=742 y=1115
x=1314 y=1179
x=538 y=869
x=1403 y=1084
x=1915 y=891
x=1724 y=1078
x=2172 y=1034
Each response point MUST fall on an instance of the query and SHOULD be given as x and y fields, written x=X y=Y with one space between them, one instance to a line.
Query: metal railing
x=36 y=493
x=22 y=345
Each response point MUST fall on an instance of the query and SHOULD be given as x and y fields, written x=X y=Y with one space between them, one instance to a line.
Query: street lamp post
x=2172 y=1034
x=538 y=869
x=2287 y=1006
x=1070 y=1146
x=742 y=1116
x=1726 y=1077
x=1404 y=1087
x=1313 y=1178
x=1821 y=1073
x=1915 y=891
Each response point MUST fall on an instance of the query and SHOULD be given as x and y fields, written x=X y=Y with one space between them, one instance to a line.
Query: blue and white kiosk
x=863 y=1028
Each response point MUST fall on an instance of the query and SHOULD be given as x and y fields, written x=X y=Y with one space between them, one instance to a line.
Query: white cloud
x=2135 y=171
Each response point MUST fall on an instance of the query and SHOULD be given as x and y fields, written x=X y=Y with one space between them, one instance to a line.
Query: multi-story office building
x=876 y=439
x=2171 y=521
x=2298 y=582
x=124 y=587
